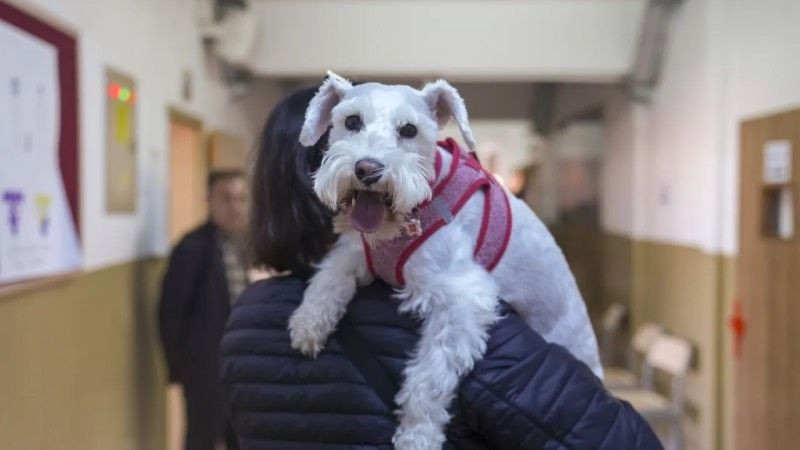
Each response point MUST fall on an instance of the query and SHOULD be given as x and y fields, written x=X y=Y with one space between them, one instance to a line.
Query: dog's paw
x=418 y=437
x=305 y=333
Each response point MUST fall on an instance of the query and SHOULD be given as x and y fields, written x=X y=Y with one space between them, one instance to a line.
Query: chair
x=672 y=356
x=611 y=324
x=629 y=377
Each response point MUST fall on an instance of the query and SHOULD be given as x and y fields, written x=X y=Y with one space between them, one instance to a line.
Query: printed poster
x=37 y=232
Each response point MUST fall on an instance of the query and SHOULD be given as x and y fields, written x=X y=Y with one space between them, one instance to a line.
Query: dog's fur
x=456 y=298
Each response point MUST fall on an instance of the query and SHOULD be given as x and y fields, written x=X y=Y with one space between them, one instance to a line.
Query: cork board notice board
x=121 y=167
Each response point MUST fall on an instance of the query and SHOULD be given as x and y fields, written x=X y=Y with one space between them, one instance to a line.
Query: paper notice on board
x=777 y=162
x=122 y=123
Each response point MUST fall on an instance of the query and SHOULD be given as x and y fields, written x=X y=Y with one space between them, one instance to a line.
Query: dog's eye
x=353 y=123
x=408 y=131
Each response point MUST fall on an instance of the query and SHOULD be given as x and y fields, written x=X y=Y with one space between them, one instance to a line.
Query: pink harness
x=465 y=176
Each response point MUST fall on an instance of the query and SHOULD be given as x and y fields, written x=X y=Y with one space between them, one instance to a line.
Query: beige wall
x=602 y=265
x=681 y=288
x=677 y=287
x=617 y=274
x=82 y=367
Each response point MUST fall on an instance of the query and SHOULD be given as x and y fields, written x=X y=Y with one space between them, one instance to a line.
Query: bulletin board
x=39 y=190
x=120 y=143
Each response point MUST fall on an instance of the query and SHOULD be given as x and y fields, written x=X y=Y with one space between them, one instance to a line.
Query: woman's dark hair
x=290 y=228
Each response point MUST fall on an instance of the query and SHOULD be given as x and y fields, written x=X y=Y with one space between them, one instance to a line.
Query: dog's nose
x=369 y=170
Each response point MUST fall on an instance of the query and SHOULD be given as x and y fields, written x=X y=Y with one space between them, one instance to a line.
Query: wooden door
x=188 y=169
x=768 y=369
x=226 y=151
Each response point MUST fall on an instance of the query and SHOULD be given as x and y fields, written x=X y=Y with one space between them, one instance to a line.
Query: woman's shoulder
x=273 y=298
x=286 y=288
x=276 y=298
x=542 y=396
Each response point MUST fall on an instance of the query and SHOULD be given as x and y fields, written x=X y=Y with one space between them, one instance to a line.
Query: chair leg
x=676 y=433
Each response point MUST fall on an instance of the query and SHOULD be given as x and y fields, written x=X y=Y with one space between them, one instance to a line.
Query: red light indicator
x=121 y=93
x=113 y=90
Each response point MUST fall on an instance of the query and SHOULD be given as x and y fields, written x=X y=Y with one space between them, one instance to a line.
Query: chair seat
x=644 y=401
x=617 y=377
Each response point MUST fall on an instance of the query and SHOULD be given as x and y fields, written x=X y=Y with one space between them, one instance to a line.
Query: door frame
x=178 y=115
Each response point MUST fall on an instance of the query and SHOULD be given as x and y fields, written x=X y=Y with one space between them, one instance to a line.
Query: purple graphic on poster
x=14 y=200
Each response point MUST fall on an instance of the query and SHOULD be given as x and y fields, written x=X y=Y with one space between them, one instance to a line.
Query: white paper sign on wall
x=777 y=162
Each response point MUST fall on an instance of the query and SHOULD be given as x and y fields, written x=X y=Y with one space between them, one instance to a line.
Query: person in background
x=207 y=272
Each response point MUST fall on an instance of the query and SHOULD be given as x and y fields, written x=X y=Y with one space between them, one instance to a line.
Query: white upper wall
x=619 y=177
x=726 y=62
x=458 y=39
x=153 y=41
x=763 y=77
x=660 y=172
x=671 y=167
x=681 y=179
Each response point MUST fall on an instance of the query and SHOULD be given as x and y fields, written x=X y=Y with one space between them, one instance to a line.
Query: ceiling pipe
x=650 y=49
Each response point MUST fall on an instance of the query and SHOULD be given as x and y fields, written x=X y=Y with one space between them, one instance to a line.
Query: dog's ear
x=318 y=113
x=445 y=102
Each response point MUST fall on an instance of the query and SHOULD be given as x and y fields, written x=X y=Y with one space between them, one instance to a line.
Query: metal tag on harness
x=412 y=227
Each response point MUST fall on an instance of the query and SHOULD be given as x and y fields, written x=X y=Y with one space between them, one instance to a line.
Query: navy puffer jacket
x=524 y=394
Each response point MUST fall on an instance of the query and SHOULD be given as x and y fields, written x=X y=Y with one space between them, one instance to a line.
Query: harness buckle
x=442 y=209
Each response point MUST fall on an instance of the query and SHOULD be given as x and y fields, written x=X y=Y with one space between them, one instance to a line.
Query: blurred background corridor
x=655 y=138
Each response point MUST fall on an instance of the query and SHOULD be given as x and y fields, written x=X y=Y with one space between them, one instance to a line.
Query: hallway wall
x=83 y=366
x=670 y=179
x=110 y=34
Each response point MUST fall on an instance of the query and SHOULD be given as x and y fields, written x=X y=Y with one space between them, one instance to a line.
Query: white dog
x=414 y=213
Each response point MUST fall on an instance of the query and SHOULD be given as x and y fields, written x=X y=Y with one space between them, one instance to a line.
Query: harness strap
x=465 y=176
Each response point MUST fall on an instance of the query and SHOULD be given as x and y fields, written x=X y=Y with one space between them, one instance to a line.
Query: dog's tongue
x=367 y=215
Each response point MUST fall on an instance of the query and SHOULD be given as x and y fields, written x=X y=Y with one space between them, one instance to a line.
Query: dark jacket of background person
x=524 y=394
x=195 y=305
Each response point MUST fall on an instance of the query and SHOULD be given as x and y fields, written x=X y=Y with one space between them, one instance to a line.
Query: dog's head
x=380 y=162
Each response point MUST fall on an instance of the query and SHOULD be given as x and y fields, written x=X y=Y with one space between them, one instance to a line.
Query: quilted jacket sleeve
x=529 y=394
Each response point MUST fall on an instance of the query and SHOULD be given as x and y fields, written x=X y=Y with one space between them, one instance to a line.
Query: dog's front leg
x=457 y=308
x=327 y=295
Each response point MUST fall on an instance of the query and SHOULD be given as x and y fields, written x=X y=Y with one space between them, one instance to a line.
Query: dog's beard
x=379 y=210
